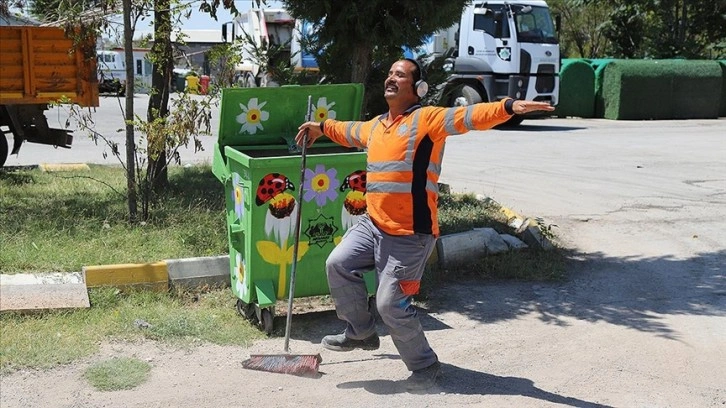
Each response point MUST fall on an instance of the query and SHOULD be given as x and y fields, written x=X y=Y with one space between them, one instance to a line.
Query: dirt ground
x=641 y=322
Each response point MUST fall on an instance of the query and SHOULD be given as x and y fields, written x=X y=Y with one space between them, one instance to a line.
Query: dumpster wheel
x=245 y=310
x=266 y=320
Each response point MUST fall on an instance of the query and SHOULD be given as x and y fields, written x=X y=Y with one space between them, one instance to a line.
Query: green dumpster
x=259 y=164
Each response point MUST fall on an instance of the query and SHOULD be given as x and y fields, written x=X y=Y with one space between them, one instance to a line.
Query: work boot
x=339 y=342
x=424 y=378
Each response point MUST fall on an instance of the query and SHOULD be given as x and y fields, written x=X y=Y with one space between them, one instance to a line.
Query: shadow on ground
x=456 y=380
x=633 y=293
x=525 y=127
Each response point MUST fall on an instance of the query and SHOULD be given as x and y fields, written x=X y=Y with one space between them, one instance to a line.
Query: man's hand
x=522 y=107
x=314 y=132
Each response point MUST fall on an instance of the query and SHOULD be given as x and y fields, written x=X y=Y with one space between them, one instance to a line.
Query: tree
x=659 y=29
x=51 y=10
x=351 y=35
x=164 y=136
x=581 y=34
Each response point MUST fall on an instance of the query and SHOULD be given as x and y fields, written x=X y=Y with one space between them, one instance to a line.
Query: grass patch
x=55 y=222
x=61 y=337
x=462 y=212
x=118 y=374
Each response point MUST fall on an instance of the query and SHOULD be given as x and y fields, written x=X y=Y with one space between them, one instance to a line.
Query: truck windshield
x=491 y=21
x=534 y=25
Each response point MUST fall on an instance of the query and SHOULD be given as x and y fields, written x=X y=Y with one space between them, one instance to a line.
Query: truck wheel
x=3 y=148
x=465 y=96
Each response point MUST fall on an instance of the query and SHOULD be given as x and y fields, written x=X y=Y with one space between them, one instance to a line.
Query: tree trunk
x=683 y=25
x=361 y=67
x=129 y=114
x=161 y=77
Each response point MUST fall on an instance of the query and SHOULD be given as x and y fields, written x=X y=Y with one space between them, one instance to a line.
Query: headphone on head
x=420 y=87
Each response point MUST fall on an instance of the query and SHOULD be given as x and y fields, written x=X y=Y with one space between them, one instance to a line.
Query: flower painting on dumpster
x=323 y=110
x=240 y=277
x=252 y=116
x=238 y=196
x=273 y=190
x=321 y=185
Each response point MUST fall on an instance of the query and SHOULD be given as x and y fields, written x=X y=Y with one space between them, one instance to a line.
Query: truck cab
x=111 y=71
x=500 y=49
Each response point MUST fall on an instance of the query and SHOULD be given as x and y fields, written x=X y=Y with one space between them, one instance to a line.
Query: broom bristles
x=305 y=365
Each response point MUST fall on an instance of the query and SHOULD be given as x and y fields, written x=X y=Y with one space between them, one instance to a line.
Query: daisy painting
x=252 y=116
x=238 y=196
x=321 y=185
x=240 y=277
x=323 y=110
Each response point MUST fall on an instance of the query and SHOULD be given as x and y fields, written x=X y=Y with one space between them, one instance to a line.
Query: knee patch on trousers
x=410 y=287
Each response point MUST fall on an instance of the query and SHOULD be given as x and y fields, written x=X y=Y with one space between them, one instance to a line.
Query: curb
x=66 y=290
x=49 y=167
x=55 y=290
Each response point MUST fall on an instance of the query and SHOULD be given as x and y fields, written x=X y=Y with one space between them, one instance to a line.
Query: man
x=405 y=148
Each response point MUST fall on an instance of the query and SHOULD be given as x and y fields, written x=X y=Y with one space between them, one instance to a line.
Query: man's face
x=399 y=84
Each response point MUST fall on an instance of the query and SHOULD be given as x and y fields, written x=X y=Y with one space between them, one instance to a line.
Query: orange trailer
x=40 y=65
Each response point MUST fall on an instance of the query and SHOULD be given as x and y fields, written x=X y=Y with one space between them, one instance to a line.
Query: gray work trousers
x=398 y=261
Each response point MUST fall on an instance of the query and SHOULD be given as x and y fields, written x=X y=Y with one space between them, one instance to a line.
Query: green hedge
x=661 y=89
x=599 y=79
x=577 y=89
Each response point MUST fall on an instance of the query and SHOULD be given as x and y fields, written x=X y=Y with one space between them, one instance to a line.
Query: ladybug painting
x=355 y=181
x=272 y=185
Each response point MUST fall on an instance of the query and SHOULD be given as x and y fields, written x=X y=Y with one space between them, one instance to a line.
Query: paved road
x=108 y=120
x=642 y=321
x=643 y=205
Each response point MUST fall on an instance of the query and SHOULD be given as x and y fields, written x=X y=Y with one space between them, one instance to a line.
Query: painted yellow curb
x=48 y=167
x=508 y=213
x=150 y=275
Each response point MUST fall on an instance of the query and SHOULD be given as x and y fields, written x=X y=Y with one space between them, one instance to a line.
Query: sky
x=202 y=21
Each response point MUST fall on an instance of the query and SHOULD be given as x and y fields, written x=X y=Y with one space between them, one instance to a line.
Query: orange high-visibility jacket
x=404 y=160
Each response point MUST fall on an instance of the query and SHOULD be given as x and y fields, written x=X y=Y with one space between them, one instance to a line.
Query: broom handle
x=298 y=216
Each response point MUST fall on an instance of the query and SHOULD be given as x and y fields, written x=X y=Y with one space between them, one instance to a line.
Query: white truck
x=265 y=28
x=111 y=71
x=500 y=49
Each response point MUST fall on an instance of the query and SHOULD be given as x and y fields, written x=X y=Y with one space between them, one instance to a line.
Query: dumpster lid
x=271 y=116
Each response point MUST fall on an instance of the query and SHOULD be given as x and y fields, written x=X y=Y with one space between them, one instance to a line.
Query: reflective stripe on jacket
x=404 y=160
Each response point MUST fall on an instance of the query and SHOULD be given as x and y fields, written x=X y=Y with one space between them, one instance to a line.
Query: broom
x=305 y=365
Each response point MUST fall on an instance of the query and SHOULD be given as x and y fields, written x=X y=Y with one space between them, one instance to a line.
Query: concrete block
x=492 y=241
x=513 y=242
x=534 y=238
x=199 y=272
x=457 y=248
x=38 y=291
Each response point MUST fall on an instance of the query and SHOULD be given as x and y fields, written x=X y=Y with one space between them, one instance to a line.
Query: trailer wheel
x=465 y=96
x=3 y=148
